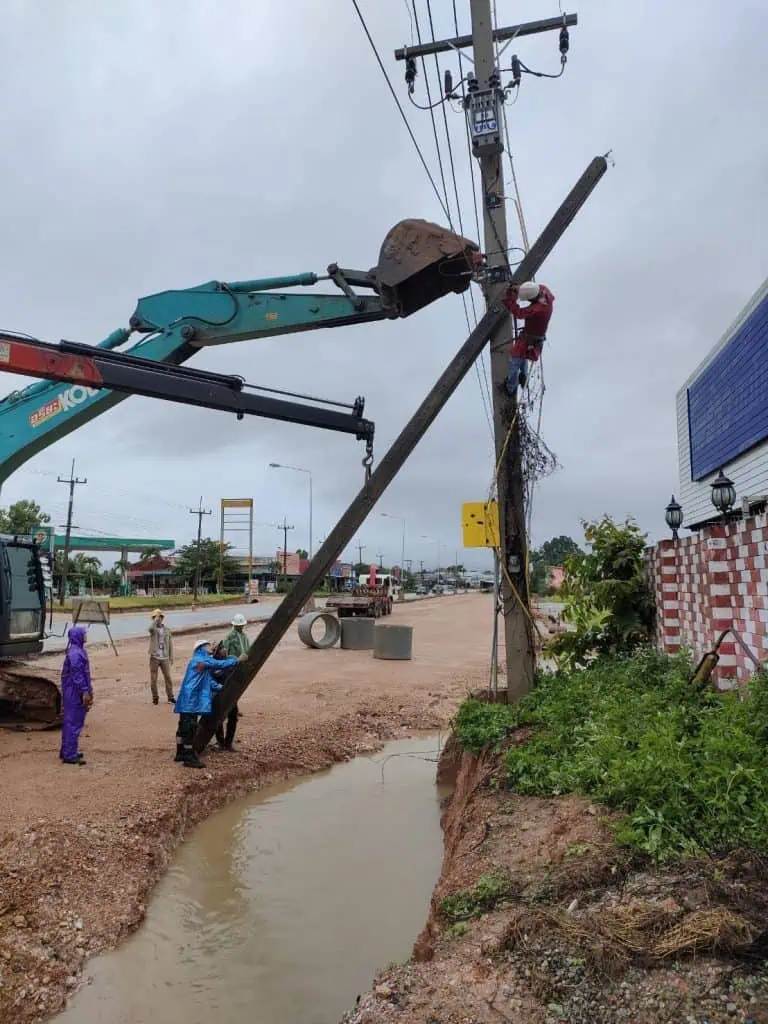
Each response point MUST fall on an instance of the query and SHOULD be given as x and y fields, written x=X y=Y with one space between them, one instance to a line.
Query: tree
x=211 y=558
x=552 y=552
x=606 y=597
x=23 y=516
x=147 y=554
x=302 y=553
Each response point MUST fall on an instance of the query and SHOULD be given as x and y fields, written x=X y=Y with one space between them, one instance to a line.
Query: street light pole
x=402 y=553
x=298 y=469
x=437 y=541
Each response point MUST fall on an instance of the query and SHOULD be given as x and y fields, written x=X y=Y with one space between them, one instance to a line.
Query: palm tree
x=147 y=554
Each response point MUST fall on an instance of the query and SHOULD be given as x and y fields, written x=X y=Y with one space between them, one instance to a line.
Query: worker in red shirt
x=530 y=341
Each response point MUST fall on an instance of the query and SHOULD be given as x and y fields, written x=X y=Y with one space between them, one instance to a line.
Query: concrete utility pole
x=485 y=100
x=72 y=481
x=518 y=631
x=199 y=512
x=285 y=528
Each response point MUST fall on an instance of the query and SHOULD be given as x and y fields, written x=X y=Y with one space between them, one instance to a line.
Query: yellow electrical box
x=480 y=524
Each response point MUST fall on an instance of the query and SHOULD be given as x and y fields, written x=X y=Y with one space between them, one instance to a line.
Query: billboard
x=728 y=400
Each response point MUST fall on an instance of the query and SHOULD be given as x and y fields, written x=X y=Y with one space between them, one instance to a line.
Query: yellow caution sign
x=480 y=524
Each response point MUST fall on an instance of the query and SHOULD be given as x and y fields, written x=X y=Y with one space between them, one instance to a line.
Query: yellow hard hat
x=157 y=612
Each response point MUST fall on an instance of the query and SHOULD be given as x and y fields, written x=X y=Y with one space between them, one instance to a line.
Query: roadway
x=125 y=625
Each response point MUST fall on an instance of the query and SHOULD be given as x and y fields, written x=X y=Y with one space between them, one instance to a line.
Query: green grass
x=489 y=890
x=688 y=769
x=173 y=601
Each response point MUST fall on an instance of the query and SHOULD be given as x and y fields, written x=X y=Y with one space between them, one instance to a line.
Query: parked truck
x=370 y=601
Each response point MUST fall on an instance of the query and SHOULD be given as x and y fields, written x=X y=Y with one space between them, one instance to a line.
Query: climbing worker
x=160 y=656
x=76 y=695
x=196 y=697
x=235 y=644
x=530 y=341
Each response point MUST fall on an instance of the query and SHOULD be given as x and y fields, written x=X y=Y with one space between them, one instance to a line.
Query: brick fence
x=704 y=584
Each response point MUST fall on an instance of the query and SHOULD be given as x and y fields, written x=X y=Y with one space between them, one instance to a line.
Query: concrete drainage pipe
x=393 y=643
x=357 y=634
x=332 y=630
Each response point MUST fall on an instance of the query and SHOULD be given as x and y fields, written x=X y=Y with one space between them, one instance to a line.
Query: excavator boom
x=176 y=324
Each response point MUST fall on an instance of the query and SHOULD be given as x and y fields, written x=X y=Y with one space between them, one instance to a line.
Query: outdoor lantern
x=723 y=493
x=674 y=516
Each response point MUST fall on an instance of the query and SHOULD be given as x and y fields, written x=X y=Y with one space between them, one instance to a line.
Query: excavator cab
x=28 y=700
x=421 y=262
x=22 y=597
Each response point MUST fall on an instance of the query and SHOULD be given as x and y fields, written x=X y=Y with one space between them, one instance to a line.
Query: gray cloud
x=152 y=146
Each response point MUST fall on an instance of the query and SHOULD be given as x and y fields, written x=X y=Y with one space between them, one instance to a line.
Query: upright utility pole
x=360 y=549
x=518 y=632
x=285 y=528
x=199 y=512
x=72 y=481
x=484 y=103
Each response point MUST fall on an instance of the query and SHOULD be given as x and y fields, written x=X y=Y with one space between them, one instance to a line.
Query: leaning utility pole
x=72 y=481
x=518 y=632
x=199 y=512
x=378 y=481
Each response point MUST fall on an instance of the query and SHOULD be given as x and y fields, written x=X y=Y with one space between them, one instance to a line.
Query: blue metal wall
x=728 y=402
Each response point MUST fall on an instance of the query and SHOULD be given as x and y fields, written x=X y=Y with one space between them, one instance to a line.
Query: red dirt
x=81 y=848
x=550 y=950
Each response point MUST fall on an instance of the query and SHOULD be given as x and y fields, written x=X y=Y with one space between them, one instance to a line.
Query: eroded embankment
x=538 y=916
x=71 y=890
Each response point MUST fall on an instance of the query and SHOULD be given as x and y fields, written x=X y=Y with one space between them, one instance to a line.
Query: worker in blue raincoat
x=76 y=695
x=195 y=698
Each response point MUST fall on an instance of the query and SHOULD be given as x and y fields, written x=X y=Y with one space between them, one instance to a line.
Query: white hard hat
x=528 y=291
x=200 y=643
x=239 y=620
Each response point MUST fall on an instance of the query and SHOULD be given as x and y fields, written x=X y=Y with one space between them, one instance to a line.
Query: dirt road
x=81 y=847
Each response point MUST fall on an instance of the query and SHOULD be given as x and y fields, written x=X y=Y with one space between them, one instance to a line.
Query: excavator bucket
x=420 y=262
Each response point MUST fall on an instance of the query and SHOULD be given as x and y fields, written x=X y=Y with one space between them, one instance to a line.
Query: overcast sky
x=149 y=146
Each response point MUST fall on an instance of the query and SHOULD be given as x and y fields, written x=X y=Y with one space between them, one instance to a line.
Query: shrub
x=688 y=769
x=606 y=599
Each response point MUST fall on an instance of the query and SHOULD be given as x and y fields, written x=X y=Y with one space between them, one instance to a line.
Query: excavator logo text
x=63 y=402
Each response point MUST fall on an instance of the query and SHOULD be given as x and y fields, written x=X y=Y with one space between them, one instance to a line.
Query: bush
x=689 y=769
x=605 y=596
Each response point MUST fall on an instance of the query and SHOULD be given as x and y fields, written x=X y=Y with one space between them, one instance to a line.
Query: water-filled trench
x=280 y=908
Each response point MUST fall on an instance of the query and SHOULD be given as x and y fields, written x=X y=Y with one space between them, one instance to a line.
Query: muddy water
x=280 y=908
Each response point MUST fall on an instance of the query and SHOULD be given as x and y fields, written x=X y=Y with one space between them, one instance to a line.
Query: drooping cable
x=399 y=107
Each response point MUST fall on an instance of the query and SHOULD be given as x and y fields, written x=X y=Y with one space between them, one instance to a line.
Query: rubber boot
x=191 y=760
x=179 y=752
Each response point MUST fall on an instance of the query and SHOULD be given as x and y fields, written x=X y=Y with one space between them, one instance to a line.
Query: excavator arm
x=419 y=262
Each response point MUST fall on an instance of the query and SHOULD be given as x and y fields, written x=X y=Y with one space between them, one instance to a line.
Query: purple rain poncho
x=75 y=681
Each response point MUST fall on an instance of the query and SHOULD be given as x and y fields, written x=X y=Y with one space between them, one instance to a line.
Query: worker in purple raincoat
x=76 y=693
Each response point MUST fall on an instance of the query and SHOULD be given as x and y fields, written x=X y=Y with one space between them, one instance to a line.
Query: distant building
x=152 y=575
x=722 y=417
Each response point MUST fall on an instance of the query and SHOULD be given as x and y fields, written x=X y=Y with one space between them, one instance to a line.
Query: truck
x=370 y=601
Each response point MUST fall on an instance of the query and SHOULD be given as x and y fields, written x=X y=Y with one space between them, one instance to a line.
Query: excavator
x=419 y=262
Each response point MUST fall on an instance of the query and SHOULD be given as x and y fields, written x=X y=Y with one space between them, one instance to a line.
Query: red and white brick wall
x=714 y=580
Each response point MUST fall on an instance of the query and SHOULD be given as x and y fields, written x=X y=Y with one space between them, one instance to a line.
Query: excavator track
x=29 y=698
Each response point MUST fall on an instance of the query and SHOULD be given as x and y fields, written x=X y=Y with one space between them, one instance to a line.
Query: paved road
x=127 y=625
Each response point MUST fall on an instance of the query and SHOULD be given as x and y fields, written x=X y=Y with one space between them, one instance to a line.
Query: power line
x=481 y=376
x=400 y=107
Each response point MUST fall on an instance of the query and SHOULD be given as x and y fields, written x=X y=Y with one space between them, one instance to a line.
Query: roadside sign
x=480 y=524
x=90 y=610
